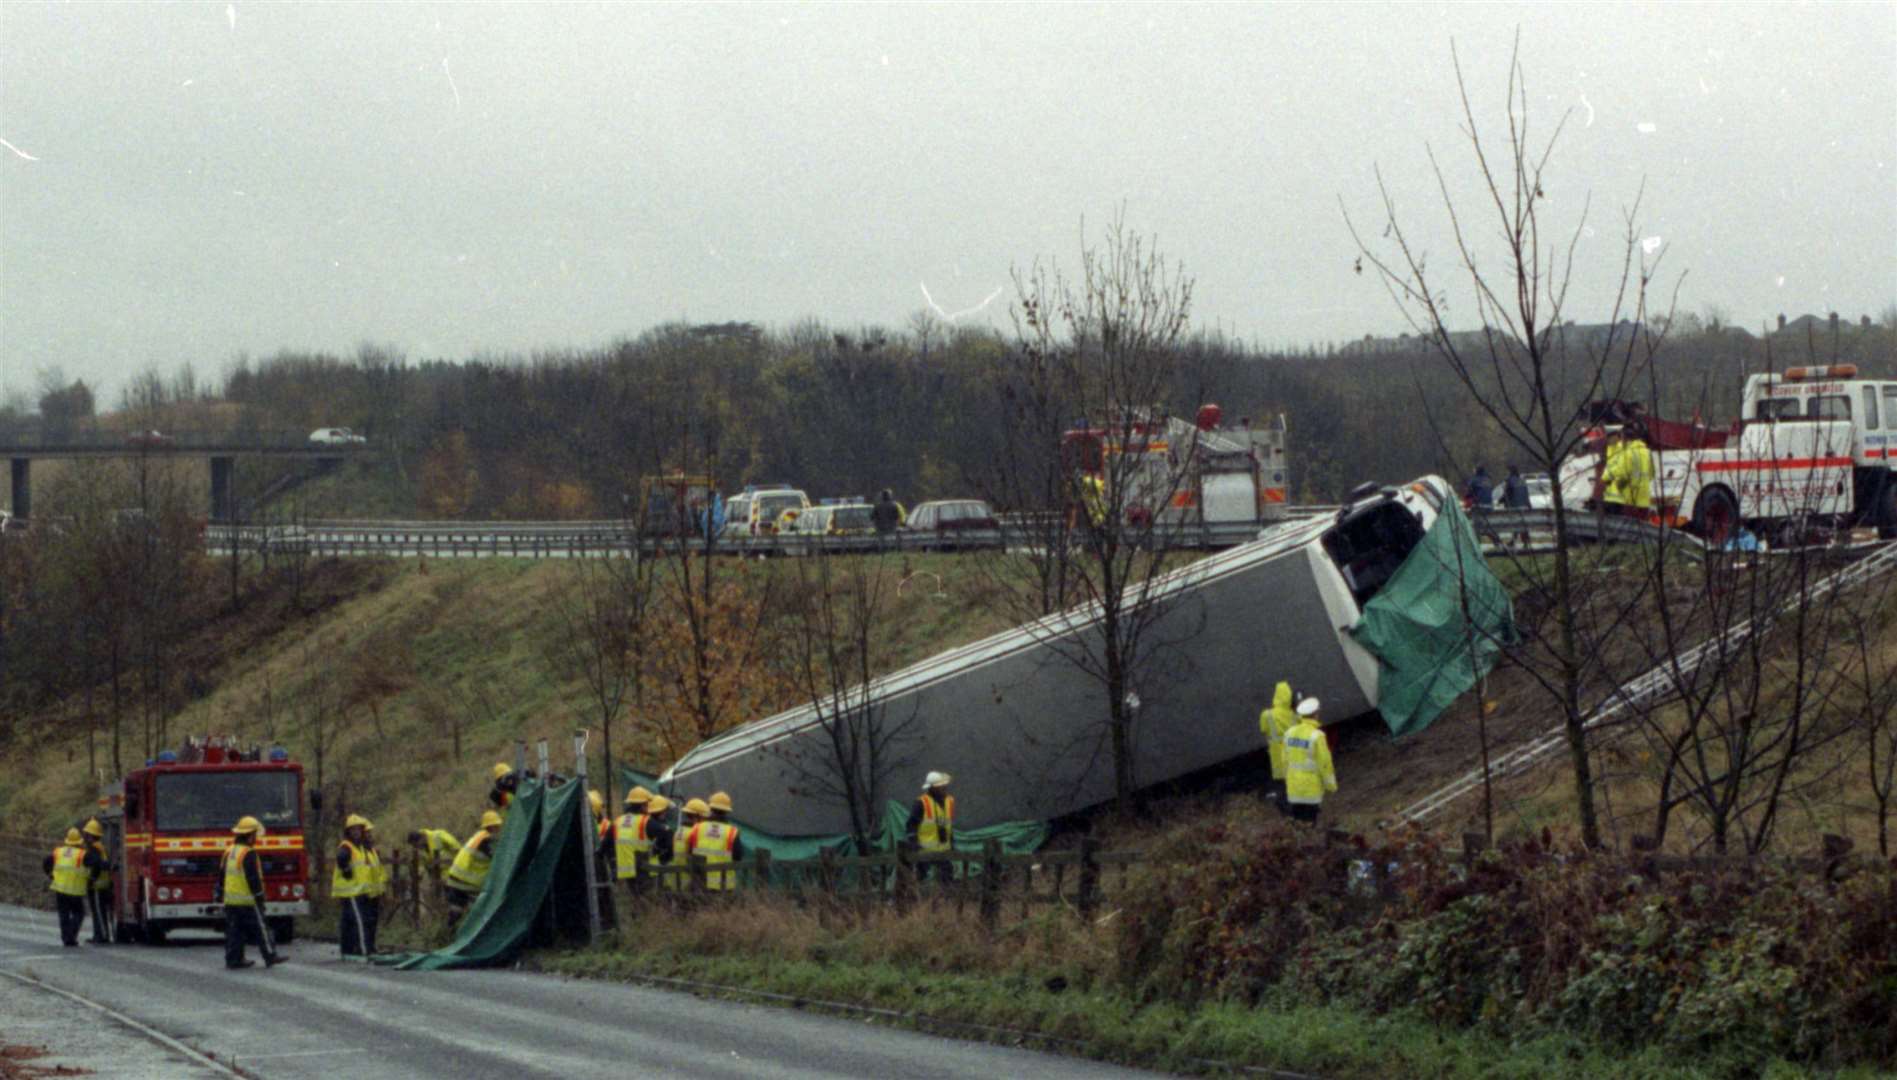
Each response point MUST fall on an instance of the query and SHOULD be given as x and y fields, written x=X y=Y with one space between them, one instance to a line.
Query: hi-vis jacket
x=1279 y=718
x=1307 y=764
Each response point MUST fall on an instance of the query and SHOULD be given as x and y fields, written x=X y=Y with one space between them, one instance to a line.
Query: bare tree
x=1524 y=363
x=1090 y=464
x=841 y=612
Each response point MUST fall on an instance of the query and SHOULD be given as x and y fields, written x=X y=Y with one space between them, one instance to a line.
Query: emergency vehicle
x=1188 y=473
x=1814 y=446
x=169 y=823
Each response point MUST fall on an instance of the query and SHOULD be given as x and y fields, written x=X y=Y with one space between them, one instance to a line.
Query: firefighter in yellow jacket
x=931 y=824
x=716 y=840
x=66 y=869
x=350 y=882
x=99 y=884
x=1307 y=765
x=467 y=876
x=240 y=890
x=1276 y=719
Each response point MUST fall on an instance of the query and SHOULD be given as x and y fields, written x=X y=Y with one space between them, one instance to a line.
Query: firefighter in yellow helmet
x=1307 y=765
x=468 y=874
x=506 y=782
x=629 y=837
x=66 y=871
x=241 y=891
x=694 y=812
x=98 y=883
x=349 y=884
x=1277 y=718
x=931 y=825
x=717 y=842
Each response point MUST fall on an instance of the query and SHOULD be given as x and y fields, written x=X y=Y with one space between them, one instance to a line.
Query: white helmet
x=1308 y=708
x=936 y=779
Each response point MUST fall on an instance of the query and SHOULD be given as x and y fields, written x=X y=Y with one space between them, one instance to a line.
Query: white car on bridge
x=335 y=436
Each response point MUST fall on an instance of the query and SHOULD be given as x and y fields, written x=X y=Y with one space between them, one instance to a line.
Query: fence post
x=827 y=871
x=990 y=884
x=1089 y=876
x=761 y=874
x=905 y=877
x=698 y=872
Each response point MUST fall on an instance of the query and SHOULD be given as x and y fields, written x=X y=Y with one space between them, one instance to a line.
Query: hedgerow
x=1740 y=963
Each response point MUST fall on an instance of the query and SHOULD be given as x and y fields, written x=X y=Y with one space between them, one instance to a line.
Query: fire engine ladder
x=1654 y=686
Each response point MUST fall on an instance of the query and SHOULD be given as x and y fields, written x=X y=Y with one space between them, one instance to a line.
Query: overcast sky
x=194 y=181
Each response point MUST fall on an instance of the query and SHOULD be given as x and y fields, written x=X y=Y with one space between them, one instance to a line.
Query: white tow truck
x=1814 y=446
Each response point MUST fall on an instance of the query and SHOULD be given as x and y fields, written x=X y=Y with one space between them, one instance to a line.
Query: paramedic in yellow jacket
x=1307 y=765
x=1277 y=718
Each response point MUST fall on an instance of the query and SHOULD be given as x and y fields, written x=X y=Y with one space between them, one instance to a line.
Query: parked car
x=835 y=519
x=335 y=436
x=757 y=511
x=944 y=521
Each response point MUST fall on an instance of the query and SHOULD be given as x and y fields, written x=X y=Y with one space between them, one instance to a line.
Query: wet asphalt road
x=320 y=1017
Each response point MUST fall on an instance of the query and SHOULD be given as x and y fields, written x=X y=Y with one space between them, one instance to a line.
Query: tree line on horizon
x=850 y=412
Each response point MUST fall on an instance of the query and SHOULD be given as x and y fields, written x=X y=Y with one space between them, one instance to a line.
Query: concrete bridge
x=221 y=449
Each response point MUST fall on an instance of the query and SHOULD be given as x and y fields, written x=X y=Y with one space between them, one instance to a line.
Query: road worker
x=1279 y=717
x=467 y=875
x=435 y=850
x=67 y=871
x=630 y=838
x=717 y=842
x=1307 y=765
x=657 y=825
x=374 y=890
x=694 y=812
x=349 y=884
x=931 y=825
x=99 y=884
x=1613 y=470
x=240 y=890
x=506 y=782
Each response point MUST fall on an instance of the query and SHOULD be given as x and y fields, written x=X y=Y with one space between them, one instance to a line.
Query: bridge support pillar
x=22 y=488
x=221 y=505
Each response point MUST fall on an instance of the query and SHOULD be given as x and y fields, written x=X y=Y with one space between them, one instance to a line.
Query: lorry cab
x=1866 y=409
x=170 y=823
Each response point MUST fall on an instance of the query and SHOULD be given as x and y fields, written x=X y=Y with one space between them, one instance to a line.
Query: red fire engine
x=169 y=824
x=1189 y=473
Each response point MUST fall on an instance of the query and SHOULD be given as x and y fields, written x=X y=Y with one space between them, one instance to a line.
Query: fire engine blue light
x=166 y=757
x=278 y=753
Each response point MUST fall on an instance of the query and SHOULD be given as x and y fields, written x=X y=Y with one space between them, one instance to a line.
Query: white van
x=335 y=436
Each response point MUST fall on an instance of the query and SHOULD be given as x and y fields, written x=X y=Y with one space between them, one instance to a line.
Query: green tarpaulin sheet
x=1428 y=652
x=1017 y=837
x=536 y=884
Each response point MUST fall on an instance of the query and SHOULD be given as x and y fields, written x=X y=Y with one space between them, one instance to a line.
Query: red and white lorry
x=1813 y=446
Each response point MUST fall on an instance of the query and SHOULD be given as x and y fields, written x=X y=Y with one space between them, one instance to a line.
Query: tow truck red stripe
x=1776 y=463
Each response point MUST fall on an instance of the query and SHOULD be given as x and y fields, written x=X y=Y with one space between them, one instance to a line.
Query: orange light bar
x=1835 y=371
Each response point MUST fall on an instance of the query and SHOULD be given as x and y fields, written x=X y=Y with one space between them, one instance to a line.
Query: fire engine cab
x=1813 y=445
x=170 y=822
x=1194 y=473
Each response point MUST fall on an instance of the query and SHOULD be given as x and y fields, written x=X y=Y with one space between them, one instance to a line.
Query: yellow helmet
x=502 y=768
x=247 y=824
x=721 y=801
x=595 y=800
x=638 y=795
x=492 y=820
x=658 y=804
x=697 y=808
x=355 y=821
x=73 y=839
x=93 y=828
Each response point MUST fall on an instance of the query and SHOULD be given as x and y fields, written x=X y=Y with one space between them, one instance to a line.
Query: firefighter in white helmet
x=1307 y=765
x=931 y=824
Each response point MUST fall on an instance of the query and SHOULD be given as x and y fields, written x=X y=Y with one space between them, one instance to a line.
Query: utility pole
x=586 y=840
